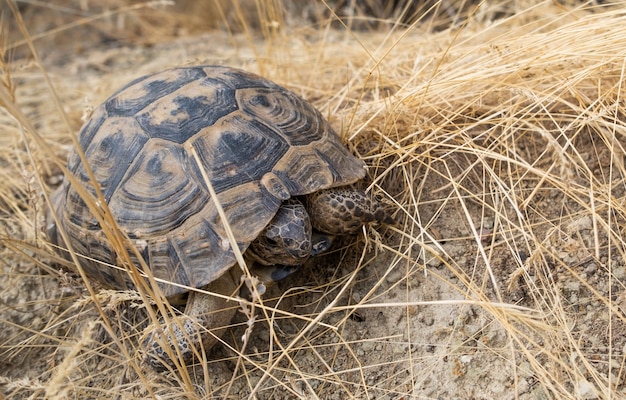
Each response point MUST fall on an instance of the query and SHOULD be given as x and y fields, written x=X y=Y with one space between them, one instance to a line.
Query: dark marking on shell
x=240 y=151
x=182 y=114
x=144 y=91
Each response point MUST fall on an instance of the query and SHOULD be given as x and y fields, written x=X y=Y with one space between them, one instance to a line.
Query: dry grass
x=499 y=143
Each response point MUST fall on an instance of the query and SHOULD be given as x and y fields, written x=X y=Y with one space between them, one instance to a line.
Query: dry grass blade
x=496 y=133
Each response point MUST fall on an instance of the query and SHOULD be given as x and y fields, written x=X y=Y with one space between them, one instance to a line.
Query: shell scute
x=142 y=92
x=92 y=126
x=149 y=200
x=296 y=120
x=238 y=150
x=112 y=149
x=180 y=115
x=248 y=209
x=240 y=79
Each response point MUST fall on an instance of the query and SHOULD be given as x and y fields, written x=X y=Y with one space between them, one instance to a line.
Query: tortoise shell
x=258 y=143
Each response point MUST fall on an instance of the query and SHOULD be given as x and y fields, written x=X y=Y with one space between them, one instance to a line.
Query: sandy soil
x=481 y=292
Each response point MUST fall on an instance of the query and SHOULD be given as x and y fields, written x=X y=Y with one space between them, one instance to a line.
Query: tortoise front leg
x=200 y=327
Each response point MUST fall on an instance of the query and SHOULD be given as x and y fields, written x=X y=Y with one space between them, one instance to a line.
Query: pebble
x=585 y=391
x=579 y=224
x=394 y=276
x=591 y=268
x=619 y=273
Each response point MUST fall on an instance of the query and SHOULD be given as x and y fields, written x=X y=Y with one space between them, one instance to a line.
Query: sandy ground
x=481 y=292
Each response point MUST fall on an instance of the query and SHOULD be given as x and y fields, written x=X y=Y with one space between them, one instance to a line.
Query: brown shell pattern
x=258 y=143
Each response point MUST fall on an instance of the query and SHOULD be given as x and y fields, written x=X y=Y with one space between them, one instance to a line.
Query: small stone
x=465 y=359
x=579 y=224
x=427 y=320
x=433 y=259
x=573 y=285
x=488 y=223
x=619 y=273
x=394 y=276
x=585 y=390
x=591 y=268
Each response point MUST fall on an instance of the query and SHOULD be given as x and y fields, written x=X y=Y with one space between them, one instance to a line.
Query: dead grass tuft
x=497 y=139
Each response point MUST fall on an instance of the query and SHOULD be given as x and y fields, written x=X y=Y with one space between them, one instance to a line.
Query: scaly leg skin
x=203 y=313
x=344 y=210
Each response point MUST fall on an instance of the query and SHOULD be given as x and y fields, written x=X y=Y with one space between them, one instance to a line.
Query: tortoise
x=279 y=171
